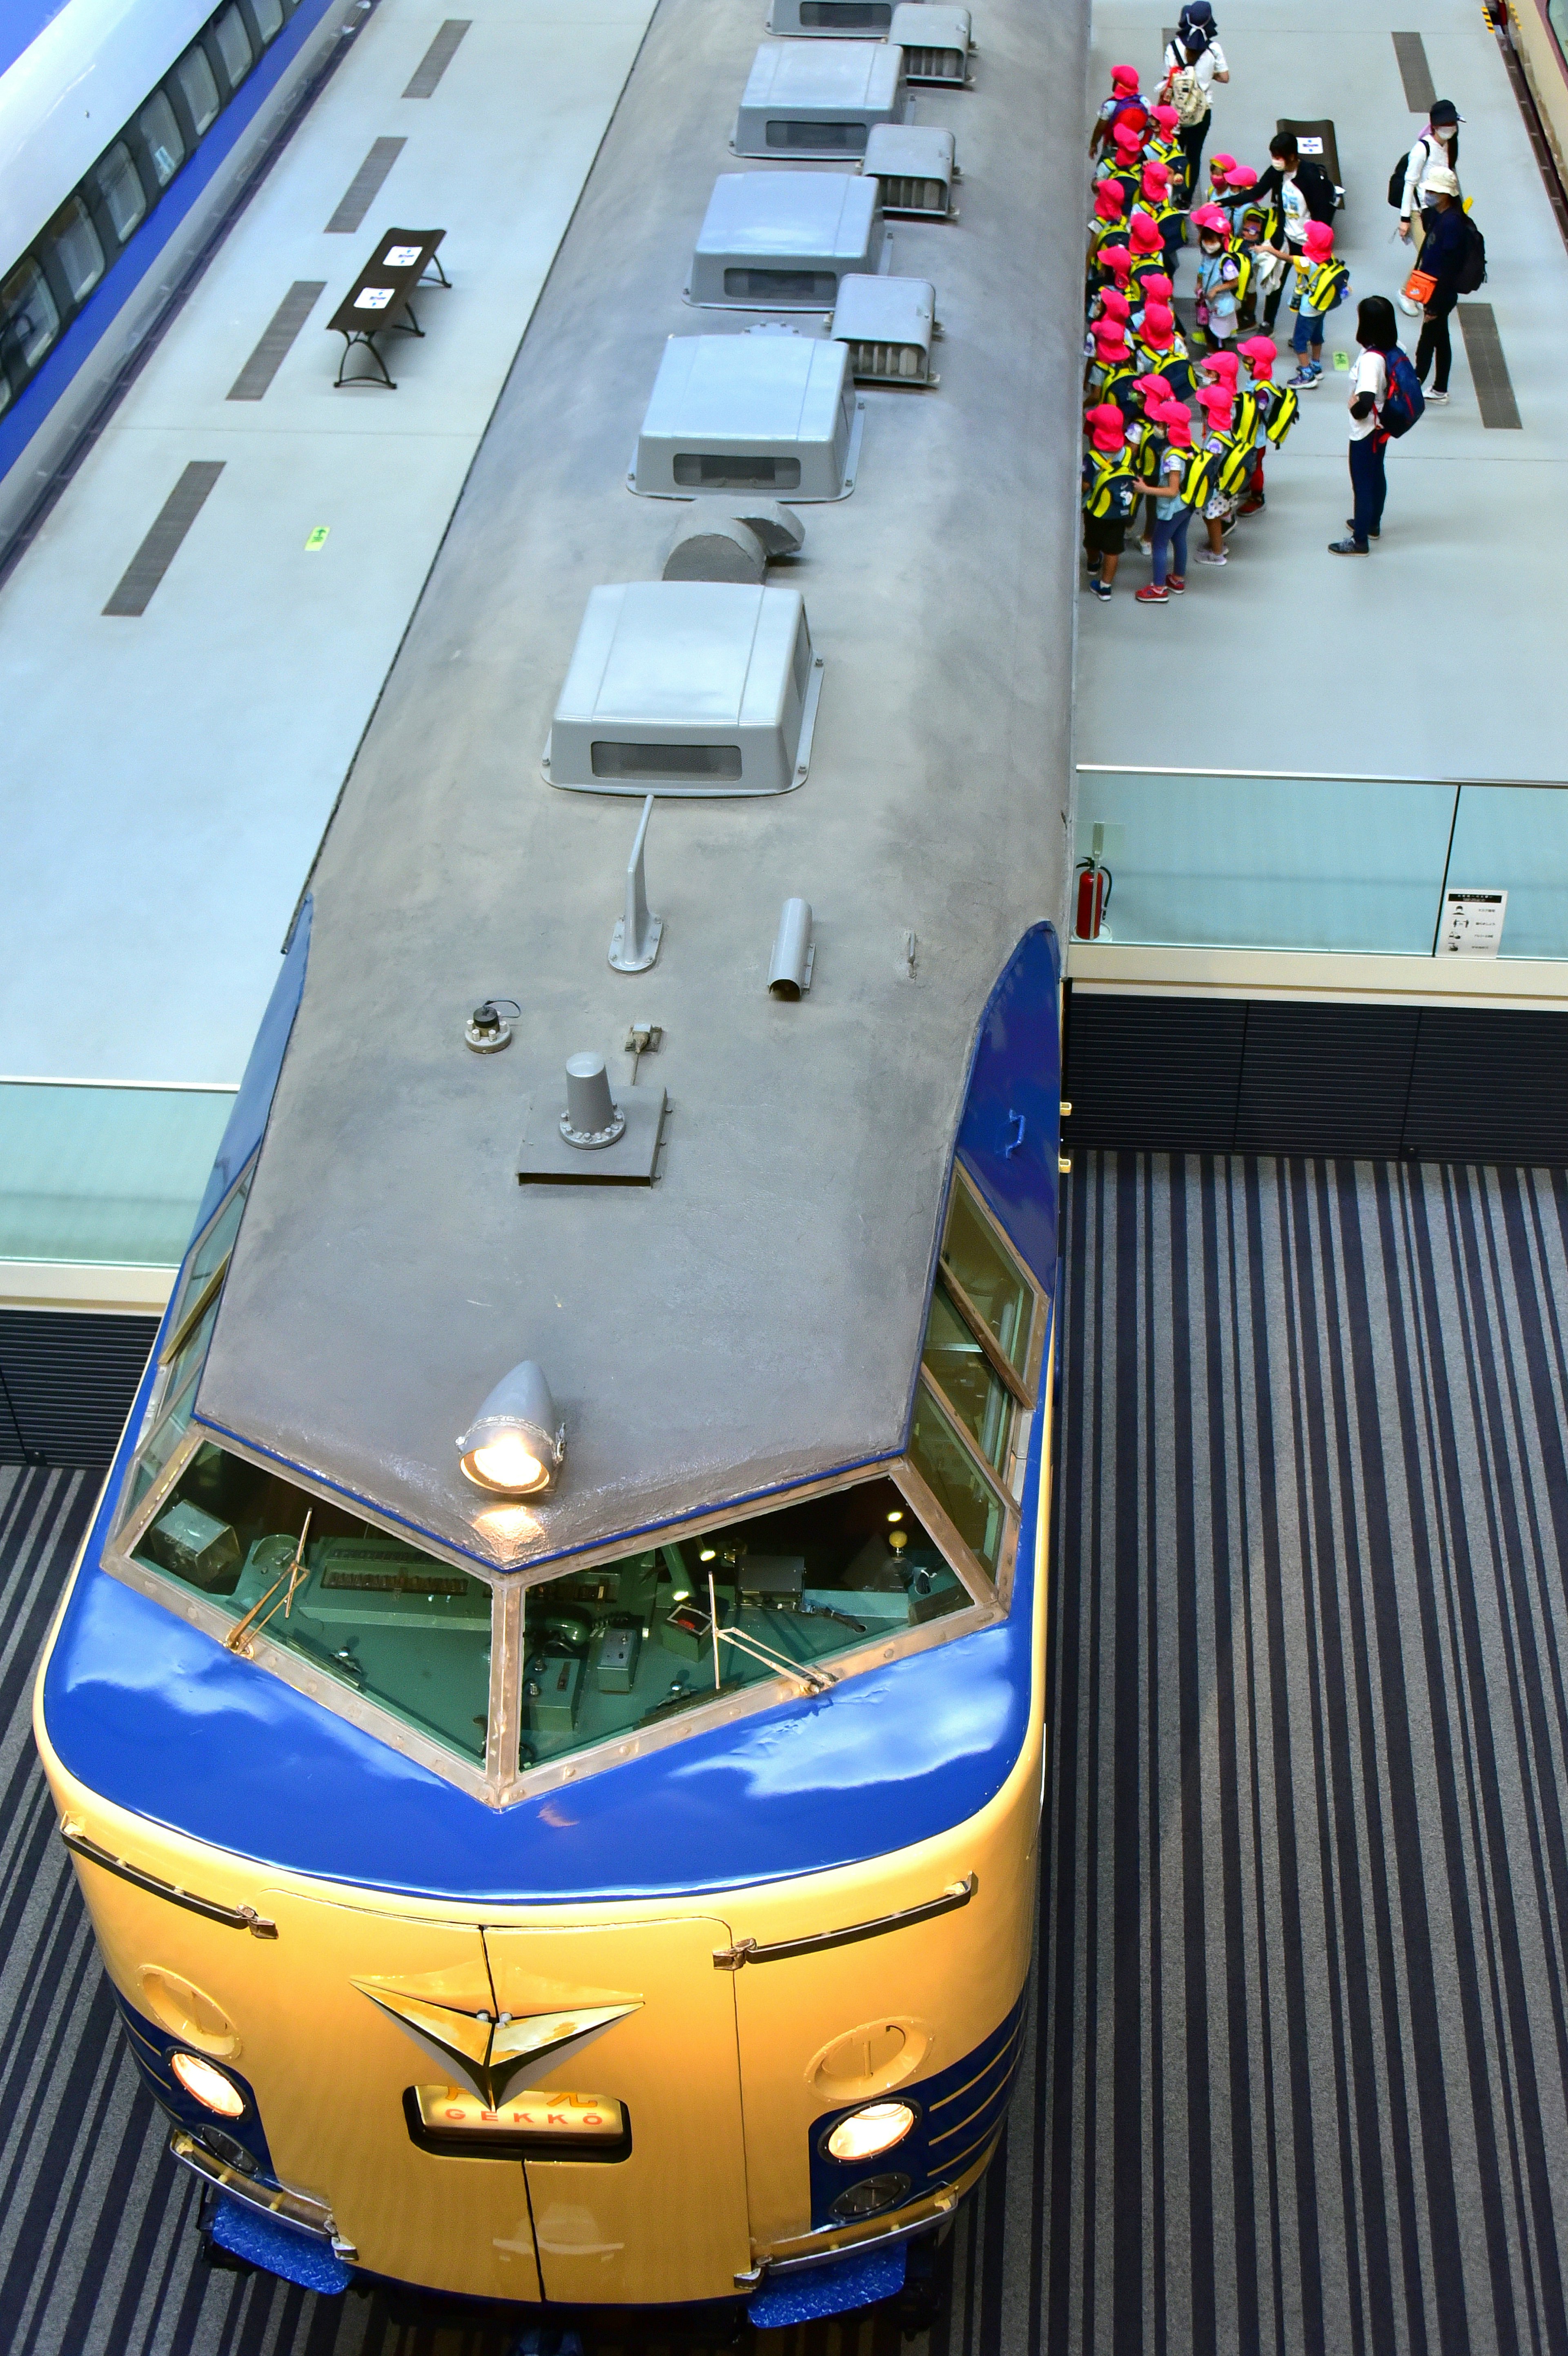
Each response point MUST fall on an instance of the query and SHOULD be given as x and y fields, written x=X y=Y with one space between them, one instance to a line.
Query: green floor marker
x=1341 y=361
x=318 y=539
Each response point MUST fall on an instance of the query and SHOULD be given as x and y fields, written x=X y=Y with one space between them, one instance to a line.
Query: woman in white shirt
x=1377 y=332
x=1194 y=63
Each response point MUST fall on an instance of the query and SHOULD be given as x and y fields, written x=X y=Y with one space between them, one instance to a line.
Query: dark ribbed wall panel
x=1489 y=1086
x=1164 y=1071
x=1269 y=1076
x=1325 y=1079
x=67 y=1384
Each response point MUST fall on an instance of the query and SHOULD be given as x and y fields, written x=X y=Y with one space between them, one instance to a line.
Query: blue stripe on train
x=33 y=405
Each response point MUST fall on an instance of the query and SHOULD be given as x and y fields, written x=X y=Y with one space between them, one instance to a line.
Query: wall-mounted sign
x=1472 y=921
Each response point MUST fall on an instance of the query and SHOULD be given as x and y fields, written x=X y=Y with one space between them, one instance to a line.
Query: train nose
x=599 y=2059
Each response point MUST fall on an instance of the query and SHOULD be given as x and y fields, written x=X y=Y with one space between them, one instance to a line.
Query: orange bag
x=1420 y=286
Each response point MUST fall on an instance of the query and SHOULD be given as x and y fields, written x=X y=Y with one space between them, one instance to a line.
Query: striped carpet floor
x=1298 y=2069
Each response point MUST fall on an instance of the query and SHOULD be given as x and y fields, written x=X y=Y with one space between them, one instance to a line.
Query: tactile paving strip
x=1419 y=90
x=158 y=551
x=438 y=57
x=271 y=351
x=365 y=187
x=1490 y=370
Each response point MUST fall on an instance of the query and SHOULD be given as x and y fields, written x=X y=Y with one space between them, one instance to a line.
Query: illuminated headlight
x=874 y=2129
x=516 y=1444
x=210 y=2087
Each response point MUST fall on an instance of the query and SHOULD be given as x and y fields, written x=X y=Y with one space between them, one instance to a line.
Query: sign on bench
x=382 y=296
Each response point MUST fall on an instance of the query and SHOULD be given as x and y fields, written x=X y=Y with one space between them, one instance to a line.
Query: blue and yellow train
x=550 y=1714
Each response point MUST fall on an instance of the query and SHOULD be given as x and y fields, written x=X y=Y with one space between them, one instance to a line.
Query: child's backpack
x=1472 y=258
x=1405 y=402
x=1282 y=416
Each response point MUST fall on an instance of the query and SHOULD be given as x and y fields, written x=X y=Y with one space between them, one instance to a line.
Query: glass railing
x=104 y=1174
x=1398 y=866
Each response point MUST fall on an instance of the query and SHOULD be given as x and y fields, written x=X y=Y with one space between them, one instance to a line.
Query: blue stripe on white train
x=126 y=128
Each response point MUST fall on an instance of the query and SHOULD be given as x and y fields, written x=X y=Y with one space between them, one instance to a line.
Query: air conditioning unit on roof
x=913 y=165
x=769 y=411
x=687 y=688
x=887 y=325
x=833 y=20
x=819 y=98
x=783 y=241
x=936 y=41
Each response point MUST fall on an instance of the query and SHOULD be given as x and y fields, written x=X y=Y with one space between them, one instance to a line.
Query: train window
x=955 y=1357
x=233 y=45
x=78 y=255
x=265 y=19
x=614 y=760
x=30 y=319
x=160 y=130
x=199 y=87
x=378 y=1616
x=987 y=1277
x=120 y=188
x=973 y=1505
x=631 y=1643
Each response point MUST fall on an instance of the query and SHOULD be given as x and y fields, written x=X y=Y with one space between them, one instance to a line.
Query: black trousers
x=1192 y=141
x=1434 y=343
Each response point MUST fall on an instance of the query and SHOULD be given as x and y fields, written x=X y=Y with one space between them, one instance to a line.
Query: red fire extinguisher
x=1093 y=898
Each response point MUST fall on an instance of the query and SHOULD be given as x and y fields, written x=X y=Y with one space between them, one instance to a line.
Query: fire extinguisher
x=1094 y=884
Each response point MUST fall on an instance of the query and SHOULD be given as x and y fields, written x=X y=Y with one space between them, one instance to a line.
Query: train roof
x=752 y=1320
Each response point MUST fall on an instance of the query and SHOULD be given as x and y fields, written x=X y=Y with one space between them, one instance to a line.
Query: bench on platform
x=383 y=297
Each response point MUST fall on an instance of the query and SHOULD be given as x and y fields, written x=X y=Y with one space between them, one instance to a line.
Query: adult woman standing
x=1194 y=63
x=1438 y=146
x=1442 y=255
x=1377 y=332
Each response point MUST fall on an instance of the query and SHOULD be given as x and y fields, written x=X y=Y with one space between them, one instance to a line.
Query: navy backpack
x=1405 y=402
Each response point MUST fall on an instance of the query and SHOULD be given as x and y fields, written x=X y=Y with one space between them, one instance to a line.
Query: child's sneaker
x=1437 y=401
x=1102 y=589
x=1254 y=505
x=1212 y=556
x=1150 y=596
x=1176 y=583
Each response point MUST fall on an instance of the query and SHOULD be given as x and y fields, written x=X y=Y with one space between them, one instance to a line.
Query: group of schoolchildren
x=1152 y=468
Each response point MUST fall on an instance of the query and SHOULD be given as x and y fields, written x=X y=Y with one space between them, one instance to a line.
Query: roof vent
x=716 y=540
x=913 y=165
x=756 y=412
x=687 y=688
x=782 y=240
x=887 y=325
x=592 y=1141
x=833 y=20
x=936 y=40
x=819 y=98
x=794 y=951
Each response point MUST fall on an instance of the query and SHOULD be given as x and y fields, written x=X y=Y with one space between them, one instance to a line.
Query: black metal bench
x=382 y=297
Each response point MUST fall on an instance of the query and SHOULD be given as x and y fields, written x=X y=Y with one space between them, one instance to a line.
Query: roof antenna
x=634 y=944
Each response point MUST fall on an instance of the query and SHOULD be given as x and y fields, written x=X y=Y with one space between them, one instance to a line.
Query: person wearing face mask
x=1219 y=284
x=1296 y=191
x=1442 y=255
x=1437 y=149
x=1194 y=62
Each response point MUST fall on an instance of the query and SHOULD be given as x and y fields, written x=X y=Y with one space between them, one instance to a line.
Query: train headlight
x=211 y=2088
x=874 y=2129
x=515 y=1444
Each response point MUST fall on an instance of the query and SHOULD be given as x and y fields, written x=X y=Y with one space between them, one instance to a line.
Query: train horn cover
x=516 y=1445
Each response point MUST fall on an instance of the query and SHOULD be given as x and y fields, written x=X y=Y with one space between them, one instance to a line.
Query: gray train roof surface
x=754 y=1318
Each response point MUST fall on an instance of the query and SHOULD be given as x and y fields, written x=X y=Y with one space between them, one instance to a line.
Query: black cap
x=1445 y=111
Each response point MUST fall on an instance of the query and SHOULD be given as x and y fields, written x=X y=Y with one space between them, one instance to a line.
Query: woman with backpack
x=1381 y=381
x=1443 y=255
x=1438 y=146
x=1194 y=63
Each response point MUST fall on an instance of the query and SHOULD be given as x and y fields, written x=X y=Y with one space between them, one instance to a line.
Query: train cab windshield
x=632 y=1642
